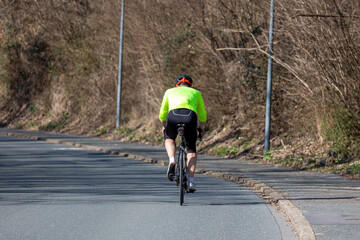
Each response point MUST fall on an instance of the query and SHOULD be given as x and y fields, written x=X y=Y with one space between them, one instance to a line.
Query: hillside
x=59 y=61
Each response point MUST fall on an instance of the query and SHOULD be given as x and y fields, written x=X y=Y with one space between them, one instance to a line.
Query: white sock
x=191 y=179
x=172 y=160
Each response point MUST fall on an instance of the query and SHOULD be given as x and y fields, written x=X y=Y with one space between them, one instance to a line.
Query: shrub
x=340 y=127
x=225 y=151
x=353 y=169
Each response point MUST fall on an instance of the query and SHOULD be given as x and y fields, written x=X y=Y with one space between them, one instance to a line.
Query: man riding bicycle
x=182 y=104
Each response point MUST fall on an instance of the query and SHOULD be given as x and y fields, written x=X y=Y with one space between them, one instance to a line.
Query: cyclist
x=182 y=104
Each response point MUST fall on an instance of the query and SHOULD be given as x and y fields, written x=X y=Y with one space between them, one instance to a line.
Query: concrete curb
x=301 y=226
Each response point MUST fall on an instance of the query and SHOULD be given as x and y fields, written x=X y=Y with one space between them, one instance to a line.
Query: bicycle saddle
x=180 y=128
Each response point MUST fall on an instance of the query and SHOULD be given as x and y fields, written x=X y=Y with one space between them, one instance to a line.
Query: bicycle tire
x=181 y=178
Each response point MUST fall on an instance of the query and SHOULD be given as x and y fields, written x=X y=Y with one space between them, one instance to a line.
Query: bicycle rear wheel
x=182 y=177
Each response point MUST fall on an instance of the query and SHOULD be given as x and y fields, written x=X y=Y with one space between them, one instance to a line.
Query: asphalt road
x=51 y=191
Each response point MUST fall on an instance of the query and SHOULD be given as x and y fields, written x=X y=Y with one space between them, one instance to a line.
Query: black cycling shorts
x=184 y=116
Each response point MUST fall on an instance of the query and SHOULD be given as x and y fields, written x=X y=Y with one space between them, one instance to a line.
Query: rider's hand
x=163 y=130
x=200 y=131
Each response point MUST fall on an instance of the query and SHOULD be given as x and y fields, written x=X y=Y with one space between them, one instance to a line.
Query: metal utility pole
x=269 y=80
x=120 y=62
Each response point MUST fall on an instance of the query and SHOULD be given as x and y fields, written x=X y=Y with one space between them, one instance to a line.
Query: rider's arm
x=201 y=109
x=164 y=109
x=164 y=126
x=200 y=125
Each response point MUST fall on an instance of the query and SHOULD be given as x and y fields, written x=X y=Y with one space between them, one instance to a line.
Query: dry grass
x=62 y=59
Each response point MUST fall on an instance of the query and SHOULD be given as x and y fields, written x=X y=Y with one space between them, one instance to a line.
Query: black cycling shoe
x=171 y=172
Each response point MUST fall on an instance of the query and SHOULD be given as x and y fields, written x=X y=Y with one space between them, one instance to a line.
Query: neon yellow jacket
x=183 y=97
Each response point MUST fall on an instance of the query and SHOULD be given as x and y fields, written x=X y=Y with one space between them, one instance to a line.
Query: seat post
x=181 y=131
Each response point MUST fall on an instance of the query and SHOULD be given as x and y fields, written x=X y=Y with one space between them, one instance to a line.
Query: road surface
x=52 y=191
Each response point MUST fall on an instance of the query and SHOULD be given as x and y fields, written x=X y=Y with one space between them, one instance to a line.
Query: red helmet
x=183 y=79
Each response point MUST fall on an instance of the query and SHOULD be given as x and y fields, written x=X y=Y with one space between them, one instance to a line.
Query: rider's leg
x=170 y=147
x=191 y=164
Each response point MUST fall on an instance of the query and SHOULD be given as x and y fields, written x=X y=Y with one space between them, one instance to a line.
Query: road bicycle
x=181 y=175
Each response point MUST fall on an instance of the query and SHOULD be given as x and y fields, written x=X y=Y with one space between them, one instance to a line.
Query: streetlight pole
x=120 y=63
x=269 y=80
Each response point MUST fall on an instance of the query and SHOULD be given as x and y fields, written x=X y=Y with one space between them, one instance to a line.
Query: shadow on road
x=37 y=172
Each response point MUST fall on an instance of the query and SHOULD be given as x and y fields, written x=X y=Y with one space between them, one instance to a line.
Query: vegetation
x=58 y=72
